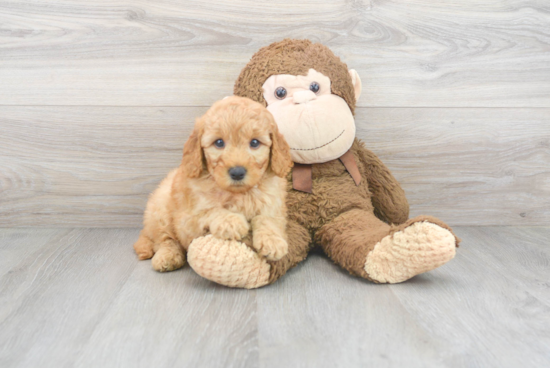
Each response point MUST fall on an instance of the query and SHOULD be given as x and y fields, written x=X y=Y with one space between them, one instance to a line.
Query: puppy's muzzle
x=237 y=173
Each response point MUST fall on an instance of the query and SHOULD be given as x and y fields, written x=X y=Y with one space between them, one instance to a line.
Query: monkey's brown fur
x=339 y=212
x=346 y=220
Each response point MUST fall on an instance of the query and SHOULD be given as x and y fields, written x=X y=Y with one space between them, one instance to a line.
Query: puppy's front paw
x=272 y=247
x=168 y=259
x=232 y=226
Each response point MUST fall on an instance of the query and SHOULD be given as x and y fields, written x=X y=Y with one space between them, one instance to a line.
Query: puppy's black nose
x=237 y=172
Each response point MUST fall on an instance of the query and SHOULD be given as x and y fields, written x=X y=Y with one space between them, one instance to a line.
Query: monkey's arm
x=388 y=198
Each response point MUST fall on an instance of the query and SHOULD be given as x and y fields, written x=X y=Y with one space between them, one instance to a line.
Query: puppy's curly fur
x=201 y=197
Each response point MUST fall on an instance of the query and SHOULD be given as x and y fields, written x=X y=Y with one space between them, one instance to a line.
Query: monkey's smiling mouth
x=321 y=146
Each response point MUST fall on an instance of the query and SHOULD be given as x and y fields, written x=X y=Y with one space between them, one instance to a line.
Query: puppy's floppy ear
x=192 y=162
x=281 y=162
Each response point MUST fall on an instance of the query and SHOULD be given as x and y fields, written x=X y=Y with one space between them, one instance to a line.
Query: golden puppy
x=231 y=178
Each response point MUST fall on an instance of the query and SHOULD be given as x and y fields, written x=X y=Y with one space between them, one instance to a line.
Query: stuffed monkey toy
x=341 y=197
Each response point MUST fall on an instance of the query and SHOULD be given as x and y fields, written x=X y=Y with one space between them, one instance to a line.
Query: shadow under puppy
x=231 y=181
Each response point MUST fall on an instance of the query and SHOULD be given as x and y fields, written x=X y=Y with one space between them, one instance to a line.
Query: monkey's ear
x=356 y=81
x=192 y=162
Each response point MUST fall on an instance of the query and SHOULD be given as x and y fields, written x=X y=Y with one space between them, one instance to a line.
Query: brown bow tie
x=302 y=177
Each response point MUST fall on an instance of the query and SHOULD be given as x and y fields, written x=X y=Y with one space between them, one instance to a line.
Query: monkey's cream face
x=318 y=125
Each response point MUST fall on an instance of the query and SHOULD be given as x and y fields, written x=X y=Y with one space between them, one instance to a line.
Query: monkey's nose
x=303 y=96
x=237 y=173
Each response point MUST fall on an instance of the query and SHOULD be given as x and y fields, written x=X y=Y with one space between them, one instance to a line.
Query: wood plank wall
x=97 y=98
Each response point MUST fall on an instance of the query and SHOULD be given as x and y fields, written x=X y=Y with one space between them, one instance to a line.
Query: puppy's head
x=237 y=141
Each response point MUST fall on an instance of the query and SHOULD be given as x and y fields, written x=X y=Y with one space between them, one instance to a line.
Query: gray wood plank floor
x=79 y=297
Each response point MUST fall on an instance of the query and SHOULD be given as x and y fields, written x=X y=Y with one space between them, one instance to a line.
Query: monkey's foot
x=228 y=262
x=418 y=248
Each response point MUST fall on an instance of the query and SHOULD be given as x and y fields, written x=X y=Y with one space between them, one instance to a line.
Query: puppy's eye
x=280 y=93
x=219 y=143
x=314 y=87
x=254 y=143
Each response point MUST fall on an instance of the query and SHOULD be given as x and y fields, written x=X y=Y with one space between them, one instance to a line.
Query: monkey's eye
x=280 y=93
x=219 y=143
x=314 y=87
x=254 y=143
